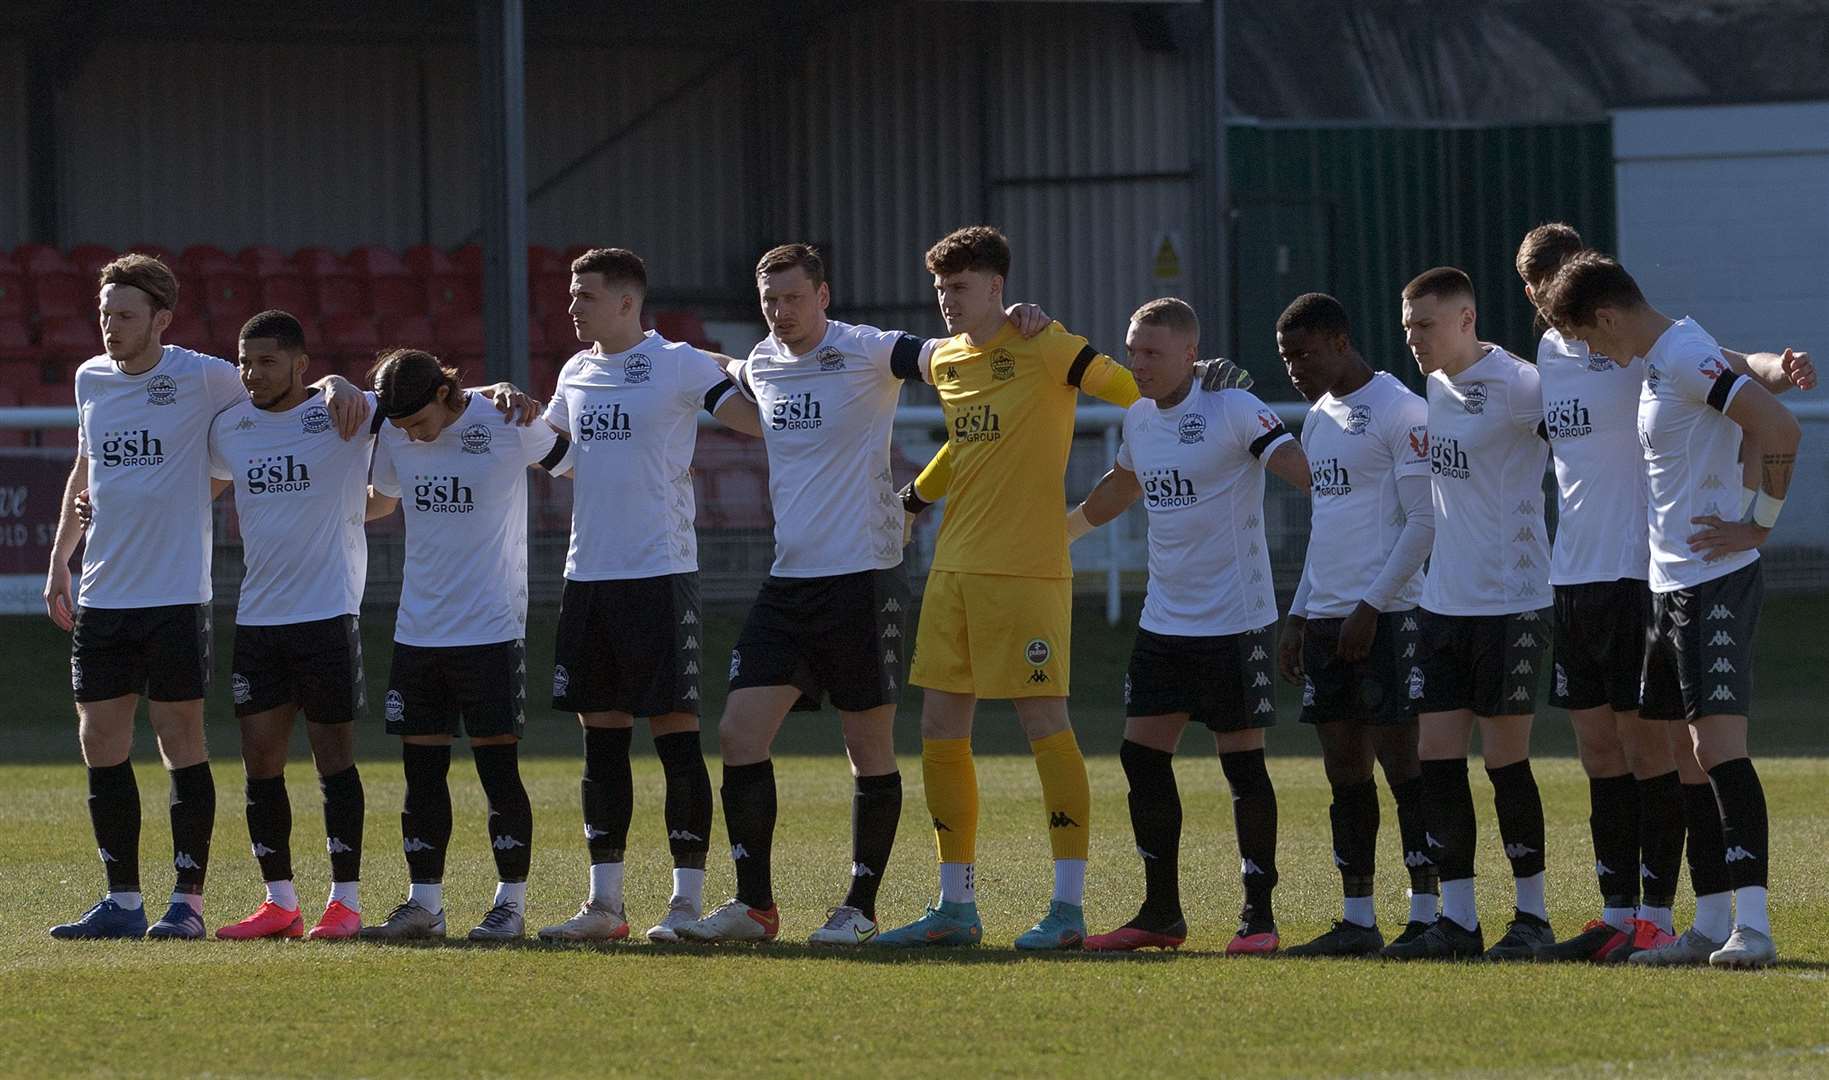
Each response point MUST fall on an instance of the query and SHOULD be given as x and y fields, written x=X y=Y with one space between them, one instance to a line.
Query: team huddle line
x=1429 y=595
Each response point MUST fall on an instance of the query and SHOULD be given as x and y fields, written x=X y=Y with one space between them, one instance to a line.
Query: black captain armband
x=1543 y=431
x=905 y=358
x=557 y=454
x=911 y=502
x=715 y=396
x=1077 y=371
x=1262 y=442
x=1723 y=389
x=376 y=419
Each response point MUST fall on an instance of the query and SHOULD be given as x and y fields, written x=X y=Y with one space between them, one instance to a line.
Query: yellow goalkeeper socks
x=1065 y=793
x=952 y=797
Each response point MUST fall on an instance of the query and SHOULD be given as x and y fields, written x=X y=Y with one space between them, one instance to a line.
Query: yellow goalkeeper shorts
x=994 y=636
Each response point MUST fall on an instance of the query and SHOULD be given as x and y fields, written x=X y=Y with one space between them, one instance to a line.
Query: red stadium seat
x=162 y=254
x=288 y=292
x=318 y=262
x=191 y=294
x=341 y=294
x=427 y=259
x=35 y=259
x=13 y=299
x=395 y=295
x=684 y=326
x=468 y=259
x=352 y=339
x=69 y=339
x=16 y=341
x=408 y=332
x=8 y=398
x=262 y=259
x=230 y=297
x=549 y=293
x=90 y=258
x=54 y=395
x=544 y=260
x=206 y=260
x=453 y=294
x=374 y=261
x=60 y=293
x=462 y=335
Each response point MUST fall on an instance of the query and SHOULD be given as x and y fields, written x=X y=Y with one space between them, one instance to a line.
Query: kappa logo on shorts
x=736 y=663
x=892 y=607
x=161 y=390
x=690 y=643
x=1416 y=684
x=1644 y=872
x=1038 y=677
x=1523 y=668
x=1562 y=682
x=890 y=659
x=1721 y=666
x=1526 y=640
x=561 y=679
x=1248 y=867
x=1722 y=693
x=692 y=667
x=76 y=674
x=475 y=439
x=1308 y=690
x=1722 y=637
x=241 y=688
x=1520 y=694
x=1719 y=611
x=1263 y=707
x=1409 y=623
x=394 y=706
x=1037 y=652
x=858 y=869
x=1127 y=689
x=1410 y=651
x=261 y=851
x=1261 y=680
x=691 y=618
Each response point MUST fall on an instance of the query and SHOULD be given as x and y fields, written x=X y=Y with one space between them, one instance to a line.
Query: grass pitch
x=296 y=1008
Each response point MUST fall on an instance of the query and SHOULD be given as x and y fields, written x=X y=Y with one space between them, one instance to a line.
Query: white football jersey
x=1692 y=453
x=827 y=419
x=1357 y=447
x=147 y=440
x=632 y=419
x=1486 y=461
x=1201 y=466
x=300 y=492
x=1590 y=409
x=464 y=495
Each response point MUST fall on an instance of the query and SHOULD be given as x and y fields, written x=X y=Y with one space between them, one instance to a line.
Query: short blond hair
x=1170 y=313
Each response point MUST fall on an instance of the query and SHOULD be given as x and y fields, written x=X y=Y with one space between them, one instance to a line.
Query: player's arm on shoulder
x=348 y=405
x=734 y=411
x=1029 y=319
x=1777 y=372
x=518 y=406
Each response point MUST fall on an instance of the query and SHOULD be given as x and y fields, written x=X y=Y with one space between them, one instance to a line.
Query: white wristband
x=1077 y=525
x=1747 y=495
x=1765 y=510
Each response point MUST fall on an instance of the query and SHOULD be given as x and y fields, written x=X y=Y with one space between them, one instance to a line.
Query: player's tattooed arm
x=1771 y=427
x=1114 y=492
x=1288 y=464
x=1777 y=372
x=347 y=403
x=59 y=597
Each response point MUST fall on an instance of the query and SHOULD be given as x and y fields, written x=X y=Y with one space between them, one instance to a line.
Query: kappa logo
x=1524 y=563
x=561 y=680
x=1722 y=637
x=830 y=359
x=1408 y=624
x=1430 y=841
x=335 y=846
x=1645 y=872
x=1719 y=611
x=1338 y=861
x=183 y=861
x=892 y=631
x=394 y=707
x=161 y=390
x=1721 y=666
x=1038 y=677
x=414 y=844
x=1358 y=418
x=1416 y=684
x=1520 y=694
x=691 y=642
x=1308 y=690
x=1252 y=522
x=691 y=618
x=1127 y=689
x=76 y=674
x=592 y=833
x=1261 y=680
x=691 y=694
x=316 y=420
x=692 y=667
x=940 y=826
x=1562 y=681
x=107 y=856
x=949 y=374
x=1524 y=535
x=1739 y=854
x=1003 y=365
x=246 y=423
x=1527 y=507
x=736 y=663
x=1523 y=668
x=637 y=368
x=858 y=870
x=506 y=843
x=1192 y=429
x=1601 y=869
x=890 y=658
x=1141 y=854
x=685 y=834
x=475 y=439
x=1409 y=652
x=1526 y=640
x=261 y=851
x=1037 y=652
x=1722 y=693
x=1248 y=867
x=1264 y=707
x=893 y=606
x=1711 y=482
x=1258 y=653
x=1473 y=399
x=1414 y=859
x=1059 y=820
x=1519 y=851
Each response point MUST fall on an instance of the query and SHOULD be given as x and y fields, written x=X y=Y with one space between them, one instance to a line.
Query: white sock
x=1457 y=903
x=193 y=899
x=1715 y=915
x=957 y=884
x=511 y=892
x=606 y=885
x=131 y=901
x=1424 y=906
x=430 y=896
x=1530 y=896
x=689 y=884
x=284 y=894
x=1661 y=917
x=1619 y=918
x=1070 y=881
x=1750 y=909
x=344 y=892
x=1359 y=911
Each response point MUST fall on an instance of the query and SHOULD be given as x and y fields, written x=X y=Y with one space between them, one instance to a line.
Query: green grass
x=298 y=1009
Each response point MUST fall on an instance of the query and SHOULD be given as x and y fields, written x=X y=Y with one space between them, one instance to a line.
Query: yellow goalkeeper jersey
x=1009 y=414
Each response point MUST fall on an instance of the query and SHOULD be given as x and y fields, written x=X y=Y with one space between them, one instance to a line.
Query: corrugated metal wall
x=1384 y=204
x=15 y=212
